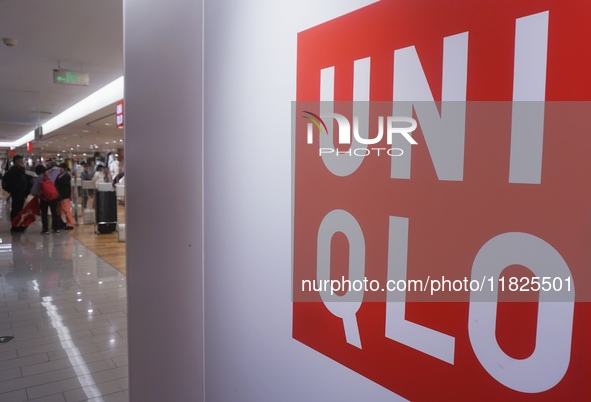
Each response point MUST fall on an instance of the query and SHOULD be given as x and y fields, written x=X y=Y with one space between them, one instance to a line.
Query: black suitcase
x=104 y=228
x=106 y=211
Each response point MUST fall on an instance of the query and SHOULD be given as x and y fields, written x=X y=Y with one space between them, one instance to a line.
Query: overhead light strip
x=105 y=96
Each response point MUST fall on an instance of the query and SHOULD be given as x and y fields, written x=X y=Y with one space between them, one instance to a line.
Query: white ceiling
x=80 y=35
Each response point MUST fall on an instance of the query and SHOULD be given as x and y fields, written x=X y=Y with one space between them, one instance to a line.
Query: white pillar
x=163 y=172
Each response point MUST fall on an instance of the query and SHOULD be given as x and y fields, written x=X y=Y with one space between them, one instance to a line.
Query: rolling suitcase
x=106 y=212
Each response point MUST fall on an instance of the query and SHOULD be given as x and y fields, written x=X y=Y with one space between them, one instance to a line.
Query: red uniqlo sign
x=120 y=114
x=456 y=268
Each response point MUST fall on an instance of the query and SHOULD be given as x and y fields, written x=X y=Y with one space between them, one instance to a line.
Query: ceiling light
x=103 y=97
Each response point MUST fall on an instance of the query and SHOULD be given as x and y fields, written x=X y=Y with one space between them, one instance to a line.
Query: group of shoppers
x=19 y=184
x=97 y=174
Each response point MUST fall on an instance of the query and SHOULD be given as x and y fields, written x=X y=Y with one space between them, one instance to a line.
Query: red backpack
x=47 y=190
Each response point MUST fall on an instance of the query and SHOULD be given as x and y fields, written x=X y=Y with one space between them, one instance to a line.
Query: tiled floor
x=66 y=309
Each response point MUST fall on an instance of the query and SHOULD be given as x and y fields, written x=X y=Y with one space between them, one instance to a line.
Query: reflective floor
x=66 y=309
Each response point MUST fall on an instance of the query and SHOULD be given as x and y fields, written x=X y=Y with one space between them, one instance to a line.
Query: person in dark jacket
x=18 y=187
x=63 y=186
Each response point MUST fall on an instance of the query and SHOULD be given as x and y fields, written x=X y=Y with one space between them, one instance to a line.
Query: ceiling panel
x=78 y=35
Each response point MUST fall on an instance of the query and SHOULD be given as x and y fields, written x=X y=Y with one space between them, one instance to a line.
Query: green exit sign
x=70 y=77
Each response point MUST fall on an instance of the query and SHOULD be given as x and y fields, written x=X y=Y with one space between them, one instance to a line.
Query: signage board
x=70 y=77
x=120 y=114
x=456 y=268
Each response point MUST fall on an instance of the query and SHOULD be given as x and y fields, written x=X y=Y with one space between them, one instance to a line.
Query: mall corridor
x=67 y=311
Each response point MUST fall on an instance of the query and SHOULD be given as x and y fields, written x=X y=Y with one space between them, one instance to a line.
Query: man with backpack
x=45 y=189
x=15 y=183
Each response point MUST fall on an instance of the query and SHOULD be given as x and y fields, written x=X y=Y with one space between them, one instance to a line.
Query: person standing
x=63 y=186
x=45 y=204
x=98 y=173
x=85 y=175
x=103 y=176
x=15 y=182
x=113 y=164
x=79 y=169
x=52 y=172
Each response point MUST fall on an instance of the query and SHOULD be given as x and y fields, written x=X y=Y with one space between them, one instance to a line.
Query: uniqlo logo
x=495 y=197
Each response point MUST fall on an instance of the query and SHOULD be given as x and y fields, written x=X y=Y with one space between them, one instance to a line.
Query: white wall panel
x=163 y=144
x=250 y=70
